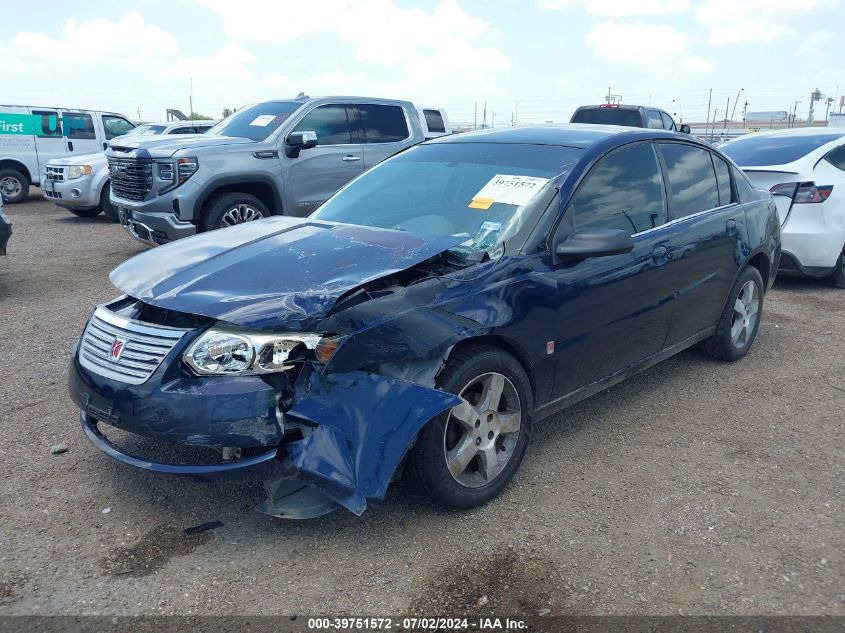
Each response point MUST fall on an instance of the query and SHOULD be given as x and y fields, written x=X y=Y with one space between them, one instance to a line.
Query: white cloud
x=129 y=36
x=749 y=21
x=427 y=45
x=618 y=9
x=229 y=63
x=643 y=43
x=814 y=45
x=274 y=80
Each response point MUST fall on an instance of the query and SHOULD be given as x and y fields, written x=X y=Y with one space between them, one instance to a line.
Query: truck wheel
x=106 y=206
x=85 y=213
x=231 y=209
x=465 y=456
x=14 y=185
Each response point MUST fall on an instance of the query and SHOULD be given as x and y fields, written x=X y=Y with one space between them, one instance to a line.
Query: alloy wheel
x=746 y=309
x=481 y=433
x=240 y=214
x=10 y=187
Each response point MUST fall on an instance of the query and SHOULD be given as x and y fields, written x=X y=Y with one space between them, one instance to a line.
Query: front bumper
x=153 y=228
x=79 y=193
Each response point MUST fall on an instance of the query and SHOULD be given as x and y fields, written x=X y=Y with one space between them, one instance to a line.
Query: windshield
x=146 y=130
x=256 y=122
x=609 y=116
x=760 y=151
x=484 y=191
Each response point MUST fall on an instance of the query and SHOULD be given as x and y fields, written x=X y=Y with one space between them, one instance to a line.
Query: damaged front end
x=321 y=398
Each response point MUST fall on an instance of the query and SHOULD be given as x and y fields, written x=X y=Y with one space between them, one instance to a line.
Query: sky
x=530 y=61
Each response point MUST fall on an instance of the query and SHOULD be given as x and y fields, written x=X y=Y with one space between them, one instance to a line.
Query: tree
x=196 y=116
x=226 y=112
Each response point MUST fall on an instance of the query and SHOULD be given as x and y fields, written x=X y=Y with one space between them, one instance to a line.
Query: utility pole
x=709 y=99
x=484 y=118
x=816 y=95
x=727 y=107
x=608 y=95
x=828 y=102
x=735 y=102
x=713 y=130
x=191 y=100
x=515 y=112
x=745 y=114
x=493 y=120
x=475 y=117
x=139 y=115
x=794 y=113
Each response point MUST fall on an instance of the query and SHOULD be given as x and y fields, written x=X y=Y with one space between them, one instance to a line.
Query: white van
x=30 y=136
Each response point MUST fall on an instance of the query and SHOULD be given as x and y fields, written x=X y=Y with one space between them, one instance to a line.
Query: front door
x=317 y=173
x=80 y=133
x=614 y=311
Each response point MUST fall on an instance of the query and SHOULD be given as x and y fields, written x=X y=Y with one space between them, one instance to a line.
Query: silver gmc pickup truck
x=273 y=158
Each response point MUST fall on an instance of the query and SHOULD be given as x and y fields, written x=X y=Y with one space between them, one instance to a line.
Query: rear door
x=18 y=140
x=615 y=311
x=383 y=130
x=708 y=227
x=317 y=173
x=80 y=133
x=49 y=138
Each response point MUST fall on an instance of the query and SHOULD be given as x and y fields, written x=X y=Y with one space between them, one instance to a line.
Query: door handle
x=350 y=158
x=70 y=146
x=730 y=227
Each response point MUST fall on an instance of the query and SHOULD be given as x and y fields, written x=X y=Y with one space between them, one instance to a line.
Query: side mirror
x=594 y=242
x=685 y=128
x=298 y=141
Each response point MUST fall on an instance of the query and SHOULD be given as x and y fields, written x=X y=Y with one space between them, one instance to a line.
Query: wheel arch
x=11 y=163
x=763 y=264
x=263 y=188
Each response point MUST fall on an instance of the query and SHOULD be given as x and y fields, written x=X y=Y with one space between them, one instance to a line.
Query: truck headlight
x=186 y=167
x=78 y=171
x=225 y=350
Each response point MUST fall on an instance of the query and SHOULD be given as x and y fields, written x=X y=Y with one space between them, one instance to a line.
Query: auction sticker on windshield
x=506 y=189
x=263 y=120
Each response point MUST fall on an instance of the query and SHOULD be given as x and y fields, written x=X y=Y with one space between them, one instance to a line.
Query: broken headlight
x=223 y=350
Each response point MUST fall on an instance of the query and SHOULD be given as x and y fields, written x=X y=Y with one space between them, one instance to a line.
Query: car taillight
x=802 y=192
x=608 y=105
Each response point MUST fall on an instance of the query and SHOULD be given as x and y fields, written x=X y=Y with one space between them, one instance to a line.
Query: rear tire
x=108 y=209
x=231 y=209
x=85 y=213
x=838 y=276
x=740 y=320
x=14 y=185
x=465 y=456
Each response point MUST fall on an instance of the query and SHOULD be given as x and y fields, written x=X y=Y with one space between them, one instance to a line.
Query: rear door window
x=78 y=126
x=692 y=179
x=382 y=123
x=434 y=121
x=331 y=124
x=116 y=126
x=654 y=119
x=668 y=123
x=624 y=191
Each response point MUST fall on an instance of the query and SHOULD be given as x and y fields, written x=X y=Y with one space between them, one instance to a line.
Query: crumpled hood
x=281 y=273
x=168 y=144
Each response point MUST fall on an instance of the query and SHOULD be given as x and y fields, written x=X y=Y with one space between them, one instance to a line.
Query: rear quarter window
x=752 y=150
x=434 y=121
x=837 y=158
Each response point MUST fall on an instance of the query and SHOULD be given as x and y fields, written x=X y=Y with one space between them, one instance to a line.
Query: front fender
x=365 y=424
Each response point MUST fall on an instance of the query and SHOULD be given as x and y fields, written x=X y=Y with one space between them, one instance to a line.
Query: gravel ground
x=696 y=487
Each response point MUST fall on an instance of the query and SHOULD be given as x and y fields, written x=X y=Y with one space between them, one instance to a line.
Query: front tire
x=231 y=209
x=14 y=185
x=465 y=456
x=108 y=209
x=740 y=320
x=838 y=276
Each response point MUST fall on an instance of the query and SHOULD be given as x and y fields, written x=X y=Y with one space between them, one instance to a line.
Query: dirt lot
x=696 y=487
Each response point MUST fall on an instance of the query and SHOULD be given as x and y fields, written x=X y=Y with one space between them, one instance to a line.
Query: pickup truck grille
x=131 y=178
x=124 y=350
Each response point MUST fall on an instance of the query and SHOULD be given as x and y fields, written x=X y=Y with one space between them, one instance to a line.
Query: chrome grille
x=55 y=173
x=143 y=347
x=131 y=178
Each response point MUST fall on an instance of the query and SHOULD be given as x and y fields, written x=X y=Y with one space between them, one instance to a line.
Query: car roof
x=617 y=106
x=795 y=131
x=580 y=135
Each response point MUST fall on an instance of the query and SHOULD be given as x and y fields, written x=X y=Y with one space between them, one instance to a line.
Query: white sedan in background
x=805 y=170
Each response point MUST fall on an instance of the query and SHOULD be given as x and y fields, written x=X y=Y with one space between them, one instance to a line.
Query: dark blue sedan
x=426 y=315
